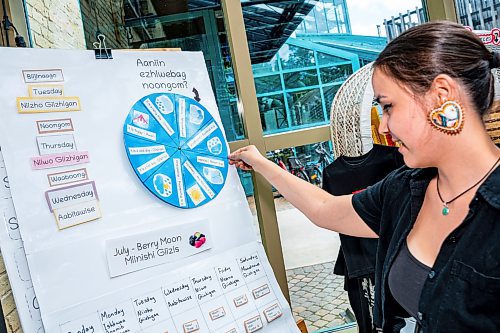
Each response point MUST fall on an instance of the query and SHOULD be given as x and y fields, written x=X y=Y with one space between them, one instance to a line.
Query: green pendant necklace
x=446 y=209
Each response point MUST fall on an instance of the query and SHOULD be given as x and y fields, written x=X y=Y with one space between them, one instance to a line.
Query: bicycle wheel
x=315 y=177
x=302 y=175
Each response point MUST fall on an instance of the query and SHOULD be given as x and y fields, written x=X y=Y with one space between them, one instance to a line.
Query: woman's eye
x=387 y=107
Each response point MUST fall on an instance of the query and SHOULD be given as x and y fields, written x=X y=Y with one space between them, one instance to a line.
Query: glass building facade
x=478 y=14
x=328 y=16
x=296 y=87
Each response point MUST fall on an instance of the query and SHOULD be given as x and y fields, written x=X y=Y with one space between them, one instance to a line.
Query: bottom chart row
x=227 y=314
x=234 y=296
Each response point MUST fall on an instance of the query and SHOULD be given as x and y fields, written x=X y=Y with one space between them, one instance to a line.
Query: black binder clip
x=100 y=49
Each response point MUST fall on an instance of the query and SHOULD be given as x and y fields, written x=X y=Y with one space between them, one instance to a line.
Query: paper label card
x=59 y=160
x=71 y=195
x=46 y=90
x=67 y=177
x=253 y=324
x=210 y=161
x=77 y=214
x=141 y=132
x=55 y=144
x=157 y=115
x=48 y=104
x=147 y=150
x=191 y=326
x=217 y=313
x=43 y=75
x=139 y=251
x=182 y=117
x=273 y=312
x=240 y=300
x=154 y=162
x=54 y=126
x=180 y=182
x=261 y=291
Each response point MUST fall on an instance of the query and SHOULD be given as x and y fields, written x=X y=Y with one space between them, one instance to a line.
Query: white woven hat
x=350 y=116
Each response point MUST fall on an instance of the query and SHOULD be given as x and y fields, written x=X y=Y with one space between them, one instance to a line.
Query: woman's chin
x=413 y=162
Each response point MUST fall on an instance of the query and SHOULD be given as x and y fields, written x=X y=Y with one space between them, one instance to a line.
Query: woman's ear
x=445 y=88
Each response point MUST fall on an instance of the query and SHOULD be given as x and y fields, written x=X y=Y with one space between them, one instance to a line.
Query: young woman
x=438 y=219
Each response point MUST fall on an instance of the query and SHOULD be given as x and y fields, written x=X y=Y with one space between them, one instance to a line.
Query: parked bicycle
x=293 y=164
x=297 y=167
x=301 y=165
x=325 y=156
x=315 y=173
x=315 y=169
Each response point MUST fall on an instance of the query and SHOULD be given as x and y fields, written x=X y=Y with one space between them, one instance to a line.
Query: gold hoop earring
x=447 y=118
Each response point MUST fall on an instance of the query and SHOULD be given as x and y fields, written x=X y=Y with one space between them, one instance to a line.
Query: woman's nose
x=382 y=127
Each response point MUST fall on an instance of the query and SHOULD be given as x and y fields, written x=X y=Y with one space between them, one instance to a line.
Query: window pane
x=306 y=107
x=296 y=57
x=320 y=16
x=330 y=92
x=267 y=84
x=273 y=113
x=327 y=59
x=301 y=79
x=266 y=67
x=335 y=74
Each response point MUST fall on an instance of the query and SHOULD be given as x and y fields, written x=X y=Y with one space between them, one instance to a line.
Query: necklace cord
x=445 y=203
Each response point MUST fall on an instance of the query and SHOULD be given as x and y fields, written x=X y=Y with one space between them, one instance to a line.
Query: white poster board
x=92 y=178
x=15 y=261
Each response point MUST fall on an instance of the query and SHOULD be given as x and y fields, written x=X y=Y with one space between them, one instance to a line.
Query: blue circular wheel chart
x=177 y=149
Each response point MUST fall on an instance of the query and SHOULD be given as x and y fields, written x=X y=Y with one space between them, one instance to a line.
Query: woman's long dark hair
x=423 y=52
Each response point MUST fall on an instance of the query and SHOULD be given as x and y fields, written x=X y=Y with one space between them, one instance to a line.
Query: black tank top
x=406 y=280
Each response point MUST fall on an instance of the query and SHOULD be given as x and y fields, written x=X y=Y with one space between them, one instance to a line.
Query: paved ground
x=317 y=295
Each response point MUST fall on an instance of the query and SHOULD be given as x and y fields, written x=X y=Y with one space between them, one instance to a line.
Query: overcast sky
x=366 y=14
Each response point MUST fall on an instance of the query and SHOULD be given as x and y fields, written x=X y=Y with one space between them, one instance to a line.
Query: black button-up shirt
x=462 y=291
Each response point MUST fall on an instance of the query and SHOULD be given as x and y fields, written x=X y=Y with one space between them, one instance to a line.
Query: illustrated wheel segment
x=212 y=169
x=208 y=141
x=176 y=149
x=191 y=116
